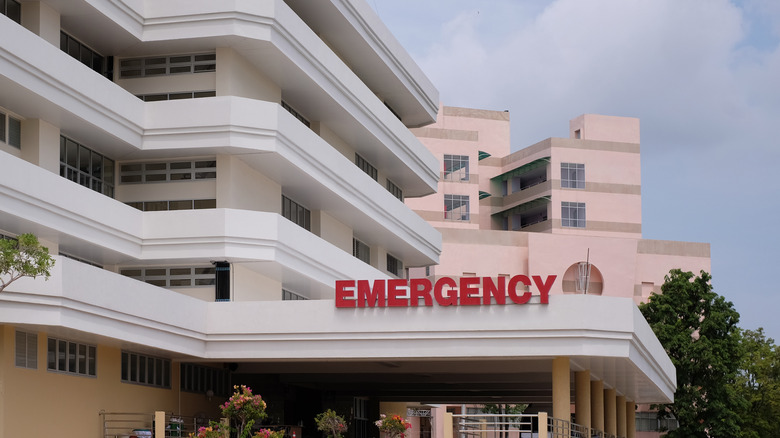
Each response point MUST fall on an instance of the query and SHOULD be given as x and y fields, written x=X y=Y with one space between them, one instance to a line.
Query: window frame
x=64 y=363
x=361 y=250
x=71 y=168
x=296 y=213
x=199 y=379
x=29 y=357
x=366 y=167
x=173 y=277
x=454 y=203
x=150 y=66
x=453 y=173
x=394 y=265
x=577 y=209
x=160 y=378
x=572 y=176
x=153 y=172
x=395 y=190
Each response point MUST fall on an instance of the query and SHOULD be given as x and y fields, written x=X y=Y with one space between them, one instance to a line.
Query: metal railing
x=126 y=424
x=496 y=425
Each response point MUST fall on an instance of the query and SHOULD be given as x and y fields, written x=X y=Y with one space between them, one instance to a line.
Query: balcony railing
x=520 y=426
x=126 y=424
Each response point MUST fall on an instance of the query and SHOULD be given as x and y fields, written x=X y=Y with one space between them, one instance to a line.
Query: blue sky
x=703 y=76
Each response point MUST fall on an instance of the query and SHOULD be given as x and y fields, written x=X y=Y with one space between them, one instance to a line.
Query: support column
x=42 y=20
x=597 y=405
x=620 y=415
x=610 y=411
x=41 y=144
x=582 y=413
x=561 y=388
x=630 y=419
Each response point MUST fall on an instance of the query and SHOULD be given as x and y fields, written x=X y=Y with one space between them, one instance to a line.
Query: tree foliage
x=23 y=257
x=698 y=329
x=758 y=382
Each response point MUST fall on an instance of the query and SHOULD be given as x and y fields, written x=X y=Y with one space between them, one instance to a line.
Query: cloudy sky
x=702 y=75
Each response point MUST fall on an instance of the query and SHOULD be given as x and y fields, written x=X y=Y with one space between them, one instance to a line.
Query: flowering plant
x=268 y=433
x=244 y=408
x=394 y=426
x=331 y=423
x=214 y=430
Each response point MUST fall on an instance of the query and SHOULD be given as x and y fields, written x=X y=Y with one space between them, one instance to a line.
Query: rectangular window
x=361 y=251
x=167 y=65
x=394 y=266
x=10 y=129
x=296 y=114
x=11 y=9
x=176 y=96
x=201 y=379
x=572 y=176
x=395 y=190
x=456 y=167
x=186 y=204
x=297 y=213
x=365 y=166
x=168 y=277
x=169 y=171
x=82 y=53
x=27 y=350
x=146 y=370
x=71 y=357
x=86 y=167
x=456 y=207
x=573 y=214
x=292 y=296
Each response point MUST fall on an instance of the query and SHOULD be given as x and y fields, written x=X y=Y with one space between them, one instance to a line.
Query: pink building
x=548 y=208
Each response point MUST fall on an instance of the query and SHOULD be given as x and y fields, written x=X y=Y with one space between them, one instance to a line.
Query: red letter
x=468 y=292
x=420 y=288
x=371 y=297
x=489 y=288
x=512 y=289
x=396 y=296
x=342 y=293
x=451 y=298
x=544 y=288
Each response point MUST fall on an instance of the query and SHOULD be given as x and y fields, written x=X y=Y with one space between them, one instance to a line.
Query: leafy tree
x=698 y=329
x=758 y=382
x=23 y=257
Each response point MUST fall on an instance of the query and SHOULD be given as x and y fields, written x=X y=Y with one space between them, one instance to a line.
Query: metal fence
x=126 y=424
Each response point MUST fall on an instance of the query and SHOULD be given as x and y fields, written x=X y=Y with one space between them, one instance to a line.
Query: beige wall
x=331 y=230
x=35 y=410
x=234 y=177
x=41 y=144
x=248 y=285
x=40 y=19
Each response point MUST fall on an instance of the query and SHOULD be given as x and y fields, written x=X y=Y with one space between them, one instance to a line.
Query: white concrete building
x=195 y=167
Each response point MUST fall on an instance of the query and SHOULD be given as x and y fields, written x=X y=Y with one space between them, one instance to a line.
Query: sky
x=703 y=77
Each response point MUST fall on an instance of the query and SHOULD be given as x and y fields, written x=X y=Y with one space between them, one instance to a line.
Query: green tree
x=698 y=329
x=758 y=382
x=23 y=257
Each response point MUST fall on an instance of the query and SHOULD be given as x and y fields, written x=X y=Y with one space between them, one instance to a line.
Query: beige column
x=42 y=20
x=597 y=405
x=561 y=388
x=610 y=410
x=620 y=415
x=630 y=419
x=582 y=398
x=41 y=144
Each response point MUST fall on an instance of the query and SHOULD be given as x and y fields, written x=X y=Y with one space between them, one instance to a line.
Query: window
x=71 y=357
x=572 y=176
x=11 y=9
x=82 y=53
x=146 y=370
x=86 y=167
x=456 y=207
x=394 y=266
x=138 y=173
x=649 y=422
x=167 y=65
x=201 y=379
x=176 y=96
x=361 y=250
x=573 y=214
x=395 y=190
x=456 y=167
x=360 y=417
x=27 y=350
x=296 y=114
x=297 y=213
x=10 y=130
x=186 y=204
x=199 y=276
x=79 y=259
x=365 y=166
x=292 y=296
